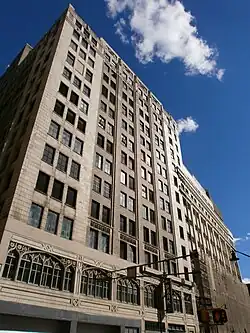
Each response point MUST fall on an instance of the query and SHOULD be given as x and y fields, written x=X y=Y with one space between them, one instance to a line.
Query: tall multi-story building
x=91 y=182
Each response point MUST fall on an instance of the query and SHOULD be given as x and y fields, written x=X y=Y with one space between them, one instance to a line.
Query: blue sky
x=218 y=153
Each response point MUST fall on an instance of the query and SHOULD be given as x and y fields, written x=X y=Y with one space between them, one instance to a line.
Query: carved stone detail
x=47 y=248
x=75 y=302
x=114 y=308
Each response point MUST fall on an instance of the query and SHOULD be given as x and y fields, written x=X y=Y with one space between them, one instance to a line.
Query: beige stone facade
x=92 y=181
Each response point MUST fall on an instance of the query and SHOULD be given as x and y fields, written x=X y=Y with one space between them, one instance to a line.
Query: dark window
x=62 y=163
x=123 y=223
x=92 y=51
x=109 y=147
x=95 y=283
x=67 y=228
x=67 y=73
x=163 y=223
x=153 y=238
x=165 y=244
x=57 y=191
x=131 y=163
x=131 y=228
x=71 y=117
x=89 y=76
x=75 y=170
x=76 y=34
x=177 y=196
x=151 y=195
x=78 y=146
x=84 y=43
x=186 y=274
x=81 y=125
x=175 y=181
x=184 y=252
x=74 y=98
x=93 y=239
x=177 y=301
x=105 y=78
x=71 y=197
x=103 y=106
x=131 y=103
x=106 y=214
x=86 y=90
x=35 y=215
x=123 y=158
x=67 y=138
x=188 y=304
x=70 y=59
x=77 y=82
x=95 y=209
x=146 y=234
x=48 y=154
x=91 y=62
x=131 y=183
x=170 y=227
x=181 y=232
x=179 y=214
x=54 y=129
x=107 y=190
x=112 y=98
x=42 y=183
x=113 y=85
x=84 y=106
x=59 y=108
x=82 y=54
x=124 y=96
x=51 y=222
x=127 y=292
x=97 y=184
x=100 y=140
x=152 y=216
x=105 y=91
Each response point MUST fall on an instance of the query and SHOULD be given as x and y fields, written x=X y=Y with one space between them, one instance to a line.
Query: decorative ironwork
x=96 y=283
x=128 y=291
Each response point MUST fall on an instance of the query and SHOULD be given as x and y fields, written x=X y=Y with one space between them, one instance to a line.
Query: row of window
x=74 y=97
x=52 y=220
x=100 y=186
x=62 y=162
x=58 y=187
x=104 y=108
x=45 y=271
x=67 y=137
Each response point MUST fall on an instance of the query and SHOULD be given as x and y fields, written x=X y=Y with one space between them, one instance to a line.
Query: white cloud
x=236 y=239
x=120 y=25
x=246 y=280
x=187 y=125
x=163 y=29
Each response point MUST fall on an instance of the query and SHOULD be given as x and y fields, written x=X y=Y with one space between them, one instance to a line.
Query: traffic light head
x=219 y=316
x=203 y=316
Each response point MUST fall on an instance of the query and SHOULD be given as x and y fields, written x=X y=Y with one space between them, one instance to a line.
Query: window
x=67 y=138
x=71 y=117
x=151 y=196
x=76 y=34
x=124 y=140
x=131 y=163
x=73 y=45
x=175 y=181
x=128 y=292
x=35 y=215
x=89 y=76
x=144 y=191
x=106 y=215
x=131 y=228
x=177 y=301
x=124 y=124
x=91 y=62
x=70 y=59
x=124 y=110
x=150 y=177
x=142 y=126
x=123 y=199
x=84 y=106
x=123 y=158
x=74 y=98
x=67 y=73
x=148 y=160
x=162 y=204
x=101 y=122
x=163 y=223
x=171 y=247
x=131 y=183
x=63 y=89
x=123 y=177
x=103 y=107
x=107 y=190
x=153 y=238
x=188 y=304
x=48 y=154
x=106 y=67
x=110 y=129
x=105 y=78
x=82 y=54
x=42 y=182
x=105 y=91
x=84 y=43
x=165 y=189
x=92 y=51
x=131 y=115
x=78 y=146
x=160 y=185
x=131 y=103
x=143 y=156
x=124 y=96
x=177 y=197
x=78 y=24
x=100 y=140
x=131 y=130
x=146 y=235
x=184 y=252
x=127 y=252
x=170 y=227
x=158 y=153
x=179 y=214
x=62 y=162
x=57 y=190
x=67 y=228
x=95 y=283
x=54 y=129
x=111 y=113
x=97 y=184
x=112 y=98
x=123 y=223
x=167 y=207
x=108 y=167
x=75 y=170
x=109 y=147
x=99 y=161
x=145 y=212
x=149 y=301
x=164 y=173
x=148 y=145
x=152 y=216
x=51 y=222
x=143 y=172
x=165 y=244
x=95 y=209
x=181 y=232
x=147 y=258
x=86 y=90
x=77 y=82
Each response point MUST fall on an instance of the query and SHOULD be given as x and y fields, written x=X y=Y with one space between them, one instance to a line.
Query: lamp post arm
x=244 y=254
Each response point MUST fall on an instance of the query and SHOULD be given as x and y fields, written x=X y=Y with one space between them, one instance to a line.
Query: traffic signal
x=203 y=316
x=219 y=316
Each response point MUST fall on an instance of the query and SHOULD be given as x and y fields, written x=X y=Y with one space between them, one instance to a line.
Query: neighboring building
x=92 y=181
